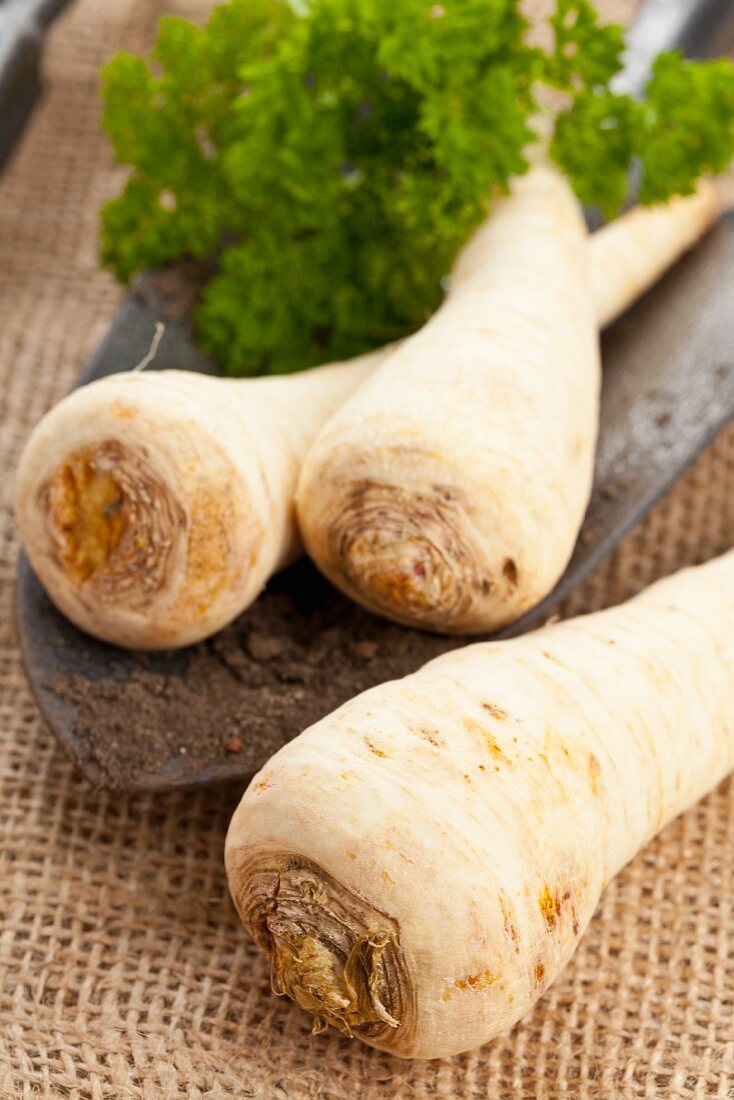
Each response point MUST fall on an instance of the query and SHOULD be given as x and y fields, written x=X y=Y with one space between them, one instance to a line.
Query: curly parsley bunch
x=334 y=156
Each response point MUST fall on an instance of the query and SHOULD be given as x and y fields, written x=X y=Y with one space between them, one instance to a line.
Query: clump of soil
x=224 y=706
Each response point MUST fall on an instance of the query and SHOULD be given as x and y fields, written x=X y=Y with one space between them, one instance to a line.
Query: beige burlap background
x=123 y=971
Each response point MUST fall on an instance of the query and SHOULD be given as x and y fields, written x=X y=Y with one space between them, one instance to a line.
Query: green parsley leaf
x=586 y=53
x=332 y=156
x=687 y=125
x=594 y=142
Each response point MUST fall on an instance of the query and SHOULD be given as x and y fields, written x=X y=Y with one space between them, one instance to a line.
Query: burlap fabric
x=123 y=970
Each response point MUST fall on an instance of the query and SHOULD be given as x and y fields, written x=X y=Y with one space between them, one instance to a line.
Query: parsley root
x=420 y=865
x=448 y=492
x=155 y=506
x=631 y=253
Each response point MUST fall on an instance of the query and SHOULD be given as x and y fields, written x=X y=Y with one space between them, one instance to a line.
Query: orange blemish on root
x=400 y=589
x=550 y=657
x=594 y=772
x=491 y=742
x=477 y=981
x=374 y=749
x=509 y=925
x=495 y=711
x=432 y=737
x=496 y=749
x=121 y=412
x=549 y=906
x=509 y=571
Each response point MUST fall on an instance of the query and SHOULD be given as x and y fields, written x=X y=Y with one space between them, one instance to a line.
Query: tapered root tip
x=407 y=555
x=329 y=950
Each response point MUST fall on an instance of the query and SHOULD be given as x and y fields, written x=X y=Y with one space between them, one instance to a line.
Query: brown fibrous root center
x=112 y=521
x=330 y=951
x=406 y=553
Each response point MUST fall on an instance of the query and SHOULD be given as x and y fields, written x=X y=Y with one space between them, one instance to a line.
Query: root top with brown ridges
x=410 y=551
x=331 y=952
x=112 y=523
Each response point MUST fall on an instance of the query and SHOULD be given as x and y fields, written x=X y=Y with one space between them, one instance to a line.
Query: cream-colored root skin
x=449 y=490
x=420 y=865
x=631 y=253
x=171 y=575
x=155 y=506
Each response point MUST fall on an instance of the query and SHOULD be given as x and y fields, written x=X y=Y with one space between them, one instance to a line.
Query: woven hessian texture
x=123 y=970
